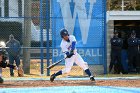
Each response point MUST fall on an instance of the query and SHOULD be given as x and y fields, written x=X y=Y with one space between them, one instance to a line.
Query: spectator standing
x=13 y=52
x=133 y=53
x=116 y=47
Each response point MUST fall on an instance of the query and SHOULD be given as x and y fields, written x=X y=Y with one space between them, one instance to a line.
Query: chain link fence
x=36 y=25
x=27 y=22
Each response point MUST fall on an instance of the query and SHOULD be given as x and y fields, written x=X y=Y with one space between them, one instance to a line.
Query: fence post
x=27 y=36
x=41 y=38
x=105 y=39
x=47 y=29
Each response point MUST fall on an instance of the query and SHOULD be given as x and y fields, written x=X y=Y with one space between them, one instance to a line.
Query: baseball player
x=4 y=64
x=68 y=48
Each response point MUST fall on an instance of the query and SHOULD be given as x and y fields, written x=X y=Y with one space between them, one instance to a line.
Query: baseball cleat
x=52 y=77
x=1 y=80
x=92 y=78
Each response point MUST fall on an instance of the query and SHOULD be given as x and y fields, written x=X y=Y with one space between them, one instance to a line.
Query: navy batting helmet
x=64 y=32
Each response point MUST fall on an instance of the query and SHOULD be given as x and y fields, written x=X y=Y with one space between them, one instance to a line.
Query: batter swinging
x=68 y=48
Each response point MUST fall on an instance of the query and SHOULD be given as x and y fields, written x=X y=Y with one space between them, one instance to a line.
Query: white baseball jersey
x=66 y=47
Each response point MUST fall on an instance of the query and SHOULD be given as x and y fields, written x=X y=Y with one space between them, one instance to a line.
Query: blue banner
x=85 y=20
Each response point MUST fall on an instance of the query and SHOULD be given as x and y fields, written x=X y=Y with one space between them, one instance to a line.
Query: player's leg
x=112 y=62
x=68 y=64
x=19 y=68
x=137 y=63
x=130 y=63
x=121 y=69
x=1 y=79
x=17 y=60
x=80 y=62
x=11 y=61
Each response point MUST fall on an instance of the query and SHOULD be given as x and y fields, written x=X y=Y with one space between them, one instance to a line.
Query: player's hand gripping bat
x=56 y=63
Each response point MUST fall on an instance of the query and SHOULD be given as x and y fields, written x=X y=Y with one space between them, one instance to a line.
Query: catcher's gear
x=4 y=54
x=20 y=71
x=52 y=77
x=1 y=80
x=63 y=33
x=3 y=64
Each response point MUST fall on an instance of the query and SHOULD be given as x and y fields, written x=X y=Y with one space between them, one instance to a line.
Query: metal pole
x=27 y=36
x=105 y=40
x=41 y=38
x=47 y=29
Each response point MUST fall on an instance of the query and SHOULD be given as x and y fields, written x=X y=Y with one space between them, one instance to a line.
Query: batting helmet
x=64 y=32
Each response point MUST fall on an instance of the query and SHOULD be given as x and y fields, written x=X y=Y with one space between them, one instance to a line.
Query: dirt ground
x=46 y=83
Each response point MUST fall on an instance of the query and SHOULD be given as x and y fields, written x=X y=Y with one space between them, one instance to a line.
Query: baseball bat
x=54 y=64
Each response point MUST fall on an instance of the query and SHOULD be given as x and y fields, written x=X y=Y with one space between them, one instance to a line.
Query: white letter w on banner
x=81 y=9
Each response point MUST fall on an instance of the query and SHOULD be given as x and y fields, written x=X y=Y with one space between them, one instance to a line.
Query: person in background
x=133 y=53
x=13 y=50
x=116 y=47
x=138 y=62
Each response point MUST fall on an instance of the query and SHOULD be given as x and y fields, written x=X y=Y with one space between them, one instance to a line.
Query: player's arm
x=71 y=53
x=122 y=42
x=64 y=49
x=19 y=48
x=73 y=44
x=66 y=52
